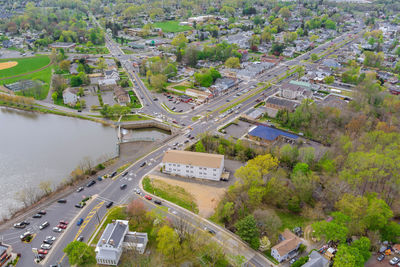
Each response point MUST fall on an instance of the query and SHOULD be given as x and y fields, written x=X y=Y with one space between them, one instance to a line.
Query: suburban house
x=70 y=96
x=316 y=260
x=268 y=135
x=121 y=95
x=294 y=91
x=5 y=254
x=59 y=45
x=114 y=239
x=73 y=69
x=193 y=164
x=287 y=247
x=278 y=103
x=107 y=84
x=111 y=74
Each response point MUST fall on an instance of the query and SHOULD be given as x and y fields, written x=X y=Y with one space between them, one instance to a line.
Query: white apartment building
x=193 y=164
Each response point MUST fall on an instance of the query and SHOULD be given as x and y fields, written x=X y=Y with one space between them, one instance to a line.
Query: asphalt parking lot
x=238 y=130
x=174 y=103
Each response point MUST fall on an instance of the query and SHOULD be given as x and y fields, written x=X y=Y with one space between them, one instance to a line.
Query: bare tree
x=27 y=196
x=86 y=164
x=45 y=186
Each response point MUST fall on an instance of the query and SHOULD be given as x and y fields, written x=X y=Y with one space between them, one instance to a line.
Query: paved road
x=109 y=190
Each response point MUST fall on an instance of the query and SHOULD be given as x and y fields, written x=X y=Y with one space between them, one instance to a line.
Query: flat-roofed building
x=193 y=164
x=5 y=254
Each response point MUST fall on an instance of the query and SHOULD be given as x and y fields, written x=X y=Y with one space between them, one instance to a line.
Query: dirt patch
x=206 y=197
x=7 y=65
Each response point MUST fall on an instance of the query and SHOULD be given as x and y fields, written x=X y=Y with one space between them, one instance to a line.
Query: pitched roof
x=193 y=158
x=290 y=243
x=281 y=102
x=316 y=260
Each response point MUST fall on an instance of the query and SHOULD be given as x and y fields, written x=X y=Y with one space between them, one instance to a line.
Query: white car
x=45 y=246
x=57 y=230
x=394 y=261
x=52 y=238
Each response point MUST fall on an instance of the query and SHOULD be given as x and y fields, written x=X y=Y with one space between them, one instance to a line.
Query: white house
x=111 y=74
x=193 y=164
x=114 y=239
x=287 y=248
x=70 y=96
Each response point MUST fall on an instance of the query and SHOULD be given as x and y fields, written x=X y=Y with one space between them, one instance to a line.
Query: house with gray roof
x=114 y=239
x=316 y=260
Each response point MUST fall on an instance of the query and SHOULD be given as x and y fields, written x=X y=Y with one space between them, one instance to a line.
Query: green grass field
x=171 y=26
x=25 y=65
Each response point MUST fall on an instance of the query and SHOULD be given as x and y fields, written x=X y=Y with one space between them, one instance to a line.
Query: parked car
x=44 y=225
x=99 y=178
x=50 y=237
x=42 y=212
x=79 y=189
x=80 y=238
x=42 y=251
x=64 y=222
x=48 y=241
x=143 y=164
x=109 y=204
x=37 y=216
x=381 y=257
x=61 y=226
x=148 y=197
x=62 y=201
x=137 y=191
x=45 y=246
x=158 y=202
x=123 y=186
x=21 y=225
x=91 y=183
x=125 y=174
x=394 y=261
x=57 y=230
x=113 y=174
x=211 y=231
x=79 y=222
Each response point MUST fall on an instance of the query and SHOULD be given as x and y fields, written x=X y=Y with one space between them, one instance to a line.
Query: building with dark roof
x=62 y=45
x=268 y=135
x=5 y=254
x=280 y=103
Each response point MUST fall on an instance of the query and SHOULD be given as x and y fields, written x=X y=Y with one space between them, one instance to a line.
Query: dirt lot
x=7 y=65
x=207 y=194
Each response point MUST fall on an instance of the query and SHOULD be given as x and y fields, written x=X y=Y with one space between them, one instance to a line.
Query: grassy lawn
x=171 y=26
x=127 y=51
x=134 y=118
x=43 y=75
x=175 y=194
x=25 y=65
x=180 y=87
x=134 y=99
x=290 y=220
x=195 y=118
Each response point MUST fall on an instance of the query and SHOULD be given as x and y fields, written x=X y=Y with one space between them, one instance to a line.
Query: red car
x=63 y=222
x=62 y=226
x=42 y=251
x=147 y=197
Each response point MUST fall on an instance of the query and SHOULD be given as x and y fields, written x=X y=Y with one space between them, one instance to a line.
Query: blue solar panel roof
x=269 y=133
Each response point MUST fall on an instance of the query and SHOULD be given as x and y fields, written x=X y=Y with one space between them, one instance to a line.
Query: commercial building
x=5 y=254
x=193 y=164
x=269 y=135
x=114 y=239
x=62 y=45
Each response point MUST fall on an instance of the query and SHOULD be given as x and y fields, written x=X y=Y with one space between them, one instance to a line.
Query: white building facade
x=193 y=164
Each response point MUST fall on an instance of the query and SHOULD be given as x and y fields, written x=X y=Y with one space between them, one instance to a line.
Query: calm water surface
x=43 y=147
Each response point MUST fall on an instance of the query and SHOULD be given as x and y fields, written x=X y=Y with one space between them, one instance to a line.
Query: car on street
x=381 y=257
x=113 y=174
x=57 y=230
x=123 y=186
x=80 y=238
x=37 y=216
x=99 y=178
x=158 y=202
x=21 y=225
x=44 y=225
x=79 y=222
x=137 y=191
x=42 y=251
x=143 y=164
x=50 y=237
x=211 y=231
x=63 y=201
x=394 y=261
x=45 y=246
x=48 y=241
x=42 y=212
x=80 y=205
x=64 y=222
x=25 y=235
x=125 y=174
x=79 y=189
x=148 y=197
x=91 y=183
x=109 y=204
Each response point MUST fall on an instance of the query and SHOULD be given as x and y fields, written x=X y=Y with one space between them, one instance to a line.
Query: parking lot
x=238 y=130
x=174 y=103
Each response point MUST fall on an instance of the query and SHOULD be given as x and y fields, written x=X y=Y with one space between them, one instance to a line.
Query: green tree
x=334 y=230
x=75 y=81
x=329 y=79
x=363 y=245
x=227 y=212
x=289 y=154
x=54 y=96
x=347 y=256
x=200 y=147
x=232 y=62
x=285 y=13
x=314 y=57
x=391 y=232
x=248 y=231
x=179 y=41
x=64 y=65
x=101 y=64
x=79 y=253
x=168 y=243
x=158 y=81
